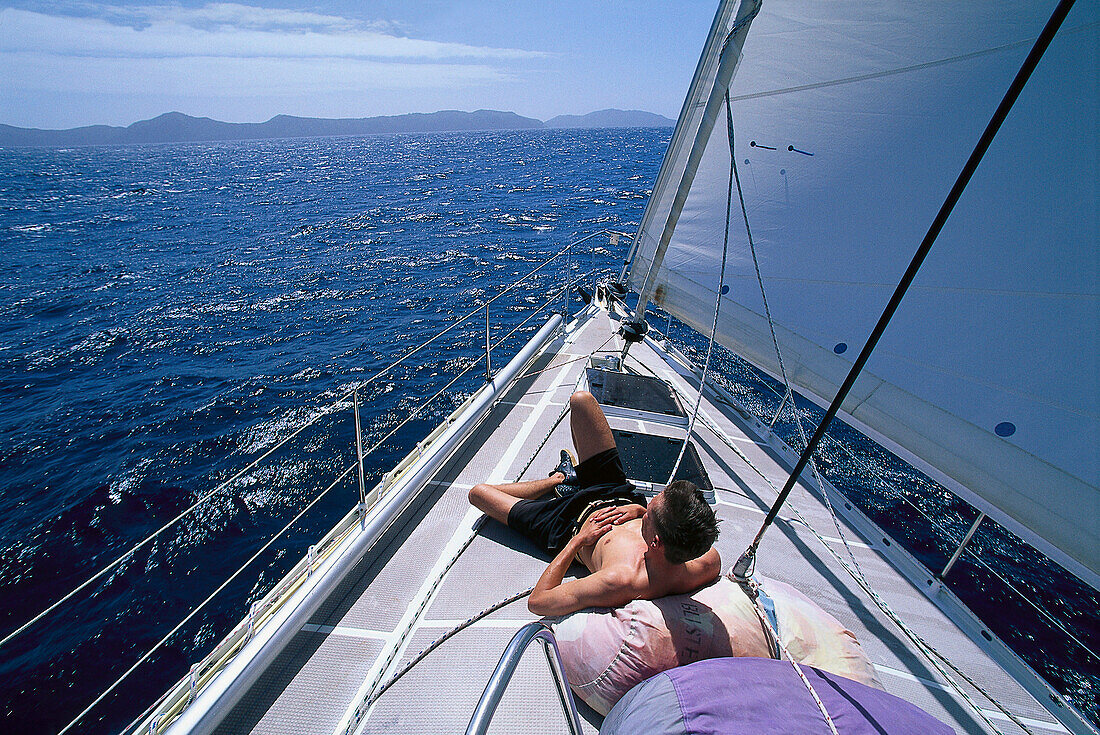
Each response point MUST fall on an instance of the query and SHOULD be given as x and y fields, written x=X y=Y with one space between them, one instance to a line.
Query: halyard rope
x=775 y=340
x=717 y=307
x=747 y=584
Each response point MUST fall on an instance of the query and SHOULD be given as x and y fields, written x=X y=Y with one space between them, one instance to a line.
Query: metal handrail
x=506 y=668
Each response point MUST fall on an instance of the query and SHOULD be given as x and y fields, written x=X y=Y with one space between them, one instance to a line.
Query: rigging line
x=744 y=563
x=925 y=649
x=923 y=646
x=771 y=328
x=367 y=700
x=202 y=604
x=900 y=70
x=821 y=487
x=946 y=532
x=536 y=312
x=324 y=412
x=560 y=418
x=717 y=300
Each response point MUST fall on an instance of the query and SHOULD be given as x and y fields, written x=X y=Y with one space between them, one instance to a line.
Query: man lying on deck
x=594 y=515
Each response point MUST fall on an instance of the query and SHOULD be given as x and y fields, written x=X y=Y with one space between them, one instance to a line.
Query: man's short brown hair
x=685 y=523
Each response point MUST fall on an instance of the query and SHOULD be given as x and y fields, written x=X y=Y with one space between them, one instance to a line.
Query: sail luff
x=728 y=49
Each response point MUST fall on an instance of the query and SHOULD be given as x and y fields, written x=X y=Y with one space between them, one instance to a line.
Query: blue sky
x=64 y=64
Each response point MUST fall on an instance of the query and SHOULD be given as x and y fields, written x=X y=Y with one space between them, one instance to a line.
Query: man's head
x=683 y=521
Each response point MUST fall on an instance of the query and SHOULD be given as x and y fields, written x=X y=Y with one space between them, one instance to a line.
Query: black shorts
x=549 y=520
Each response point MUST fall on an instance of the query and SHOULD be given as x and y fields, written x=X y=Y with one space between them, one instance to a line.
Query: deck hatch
x=635 y=392
x=650 y=458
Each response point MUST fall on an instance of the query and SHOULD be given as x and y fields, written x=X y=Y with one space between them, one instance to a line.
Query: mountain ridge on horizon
x=177 y=127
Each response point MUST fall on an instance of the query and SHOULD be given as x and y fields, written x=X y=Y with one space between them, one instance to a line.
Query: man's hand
x=601 y=521
x=606 y=588
x=594 y=527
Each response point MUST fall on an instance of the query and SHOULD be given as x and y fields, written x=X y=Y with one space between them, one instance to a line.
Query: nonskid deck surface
x=371 y=617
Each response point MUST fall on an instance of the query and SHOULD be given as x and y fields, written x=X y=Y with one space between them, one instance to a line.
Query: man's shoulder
x=626 y=577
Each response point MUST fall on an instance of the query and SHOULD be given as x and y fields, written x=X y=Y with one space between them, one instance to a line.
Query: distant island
x=176 y=127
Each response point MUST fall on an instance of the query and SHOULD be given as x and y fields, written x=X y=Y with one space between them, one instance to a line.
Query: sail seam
x=900 y=70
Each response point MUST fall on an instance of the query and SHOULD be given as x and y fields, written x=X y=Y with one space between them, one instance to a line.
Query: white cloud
x=224 y=30
x=241 y=62
x=236 y=77
x=232 y=15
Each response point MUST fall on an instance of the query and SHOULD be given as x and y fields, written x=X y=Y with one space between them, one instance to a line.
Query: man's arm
x=706 y=568
x=605 y=588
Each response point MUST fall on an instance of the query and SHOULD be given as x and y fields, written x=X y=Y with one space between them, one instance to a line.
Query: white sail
x=862 y=115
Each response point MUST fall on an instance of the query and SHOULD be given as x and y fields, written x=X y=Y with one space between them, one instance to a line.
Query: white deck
x=316 y=679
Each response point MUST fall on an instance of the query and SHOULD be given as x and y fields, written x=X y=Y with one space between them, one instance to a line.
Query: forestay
x=852 y=120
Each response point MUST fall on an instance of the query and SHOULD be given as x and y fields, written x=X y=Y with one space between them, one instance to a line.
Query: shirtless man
x=633 y=551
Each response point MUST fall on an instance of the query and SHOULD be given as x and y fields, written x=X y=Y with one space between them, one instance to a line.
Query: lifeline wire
x=267 y=545
x=202 y=604
x=324 y=412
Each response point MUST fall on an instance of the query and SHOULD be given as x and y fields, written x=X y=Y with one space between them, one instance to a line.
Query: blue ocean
x=171 y=313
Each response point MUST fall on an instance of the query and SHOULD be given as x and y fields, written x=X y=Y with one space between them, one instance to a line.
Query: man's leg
x=591 y=433
x=496 y=501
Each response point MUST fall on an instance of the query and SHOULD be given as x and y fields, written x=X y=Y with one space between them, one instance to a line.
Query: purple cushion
x=748 y=696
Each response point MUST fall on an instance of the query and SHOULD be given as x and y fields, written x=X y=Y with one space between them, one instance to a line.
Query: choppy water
x=169 y=313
